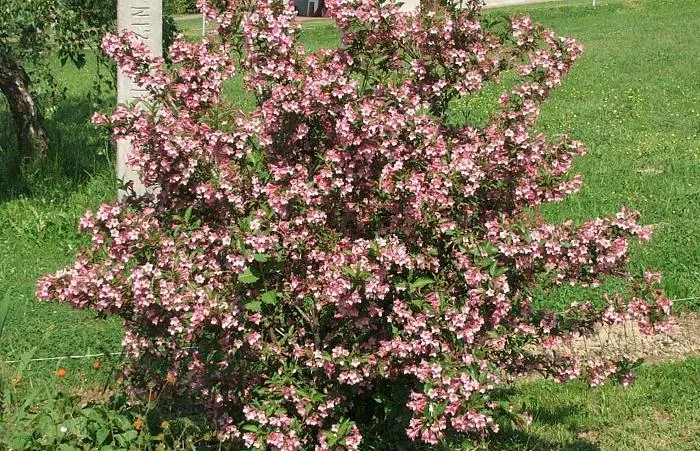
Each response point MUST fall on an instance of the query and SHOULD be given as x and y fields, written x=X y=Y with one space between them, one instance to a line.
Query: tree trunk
x=29 y=120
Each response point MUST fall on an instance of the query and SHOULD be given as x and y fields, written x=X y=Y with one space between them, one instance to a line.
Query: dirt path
x=626 y=340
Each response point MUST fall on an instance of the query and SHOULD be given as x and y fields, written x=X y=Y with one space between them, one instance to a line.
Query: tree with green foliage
x=180 y=6
x=32 y=31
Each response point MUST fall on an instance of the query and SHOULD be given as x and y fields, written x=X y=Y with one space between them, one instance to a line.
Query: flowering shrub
x=293 y=266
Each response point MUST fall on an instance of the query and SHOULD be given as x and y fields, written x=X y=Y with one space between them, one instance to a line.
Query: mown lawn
x=633 y=99
x=660 y=413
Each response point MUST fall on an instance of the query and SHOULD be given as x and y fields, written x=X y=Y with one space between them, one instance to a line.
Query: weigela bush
x=294 y=267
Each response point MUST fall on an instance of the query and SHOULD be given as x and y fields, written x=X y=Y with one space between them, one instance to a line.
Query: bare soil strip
x=614 y=341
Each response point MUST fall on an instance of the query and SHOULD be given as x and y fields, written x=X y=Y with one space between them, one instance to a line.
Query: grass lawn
x=633 y=99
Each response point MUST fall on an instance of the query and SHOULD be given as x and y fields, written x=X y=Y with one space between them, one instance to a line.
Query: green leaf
x=4 y=310
x=343 y=428
x=254 y=306
x=331 y=437
x=488 y=261
x=349 y=271
x=92 y=415
x=247 y=276
x=262 y=258
x=421 y=282
x=122 y=422
x=188 y=214
x=440 y=409
x=250 y=427
x=102 y=435
x=490 y=248
x=269 y=297
x=497 y=271
x=419 y=303
x=130 y=436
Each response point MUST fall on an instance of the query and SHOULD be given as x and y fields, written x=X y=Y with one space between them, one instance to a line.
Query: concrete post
x=145 y=18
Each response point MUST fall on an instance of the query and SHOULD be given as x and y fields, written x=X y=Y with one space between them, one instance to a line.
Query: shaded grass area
x=38 y=233
x=633 y=99
x=77 y=151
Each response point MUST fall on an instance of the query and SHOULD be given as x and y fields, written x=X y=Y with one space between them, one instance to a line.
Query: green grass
x=633 y=99
x=315 y=34
x=659 y=413
x=38 y=231
x=192 y=28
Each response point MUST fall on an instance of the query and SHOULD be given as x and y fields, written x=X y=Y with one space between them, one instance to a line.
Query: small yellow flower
x=164 y=424
x=171 y=379
x=138 y=424
x=61 y=372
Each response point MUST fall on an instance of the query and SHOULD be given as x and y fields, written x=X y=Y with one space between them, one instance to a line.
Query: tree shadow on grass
x=543 y=435
x=186 y=417
x=518 y=440
x=391 y=435
x=77 y=150
x=529 y=439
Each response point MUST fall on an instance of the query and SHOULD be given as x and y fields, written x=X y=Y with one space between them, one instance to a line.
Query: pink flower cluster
x=348 y=238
